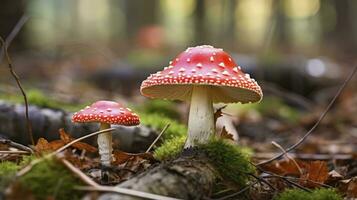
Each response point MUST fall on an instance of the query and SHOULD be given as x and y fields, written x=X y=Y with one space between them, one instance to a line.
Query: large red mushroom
x=202 y=75
x=106 y=113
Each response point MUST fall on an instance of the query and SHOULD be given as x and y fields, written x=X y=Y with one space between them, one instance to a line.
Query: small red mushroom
x=203 y=75
x=106 y=113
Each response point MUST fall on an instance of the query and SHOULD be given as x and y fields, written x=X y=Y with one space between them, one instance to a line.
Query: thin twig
x=14 y=152
x=308 y=156
x=14 y=32
x=287 y=155
x=79 y=173
x=239 y=192
x=96 y=187
x=322 y=116
x=157 y=138
x=264 y=181
x=34 y=162
x=282 y=177
x=16 y=145
x=16 y=77
x=126 y=191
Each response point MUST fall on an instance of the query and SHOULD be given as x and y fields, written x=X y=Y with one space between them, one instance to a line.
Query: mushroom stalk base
x=201 y=125
x=105 y=145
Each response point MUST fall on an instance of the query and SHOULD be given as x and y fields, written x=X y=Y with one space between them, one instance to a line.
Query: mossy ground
x=231 y=161
x=7 y=173
x=51 y=179
x=317 y=194
x=47 y=179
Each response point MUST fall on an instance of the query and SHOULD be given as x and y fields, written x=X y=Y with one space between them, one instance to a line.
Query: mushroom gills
x=201 y=125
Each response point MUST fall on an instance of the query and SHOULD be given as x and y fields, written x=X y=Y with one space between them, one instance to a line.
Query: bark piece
x=188 y=177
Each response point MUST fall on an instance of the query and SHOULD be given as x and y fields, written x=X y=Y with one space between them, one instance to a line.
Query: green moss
x=231 y=161
x=158 y=122
x=7 y=172
x=170 y=149
x=317 y=194
x=165 y=108
x=51 y=179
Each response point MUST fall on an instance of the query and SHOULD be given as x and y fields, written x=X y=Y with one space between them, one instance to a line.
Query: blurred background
x=74 y=52
x=113 y=45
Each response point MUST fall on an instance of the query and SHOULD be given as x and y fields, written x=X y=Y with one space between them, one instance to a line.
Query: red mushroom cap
x=203 y=65
x=107 y=112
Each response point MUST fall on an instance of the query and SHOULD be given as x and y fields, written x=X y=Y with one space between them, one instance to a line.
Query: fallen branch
x=322 y=116
x=188 y=177
x=14 y=152
x=16 y=145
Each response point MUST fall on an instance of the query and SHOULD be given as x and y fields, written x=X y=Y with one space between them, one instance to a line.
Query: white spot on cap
x=211 y=59
x=247 y=75
x=170 y=62
x=188 y=60
x=199 y=65
x=193 y=71
x=214 y=70
x=182 y=69
x=235 y=69
x=222 y=65
x=225 y=73
x=171 y=72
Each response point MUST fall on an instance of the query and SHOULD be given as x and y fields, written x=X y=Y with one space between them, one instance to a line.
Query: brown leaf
x=121 y=157
x=218 y=113
x=352 y=188
x=78 y=145
x=225 y=135
x=314 y=172
x=285 y=167
x=44 y=146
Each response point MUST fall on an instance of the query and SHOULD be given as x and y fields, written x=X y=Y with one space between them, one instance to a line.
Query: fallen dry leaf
x=352 y=188
x=314 y=172
x=218 y=113
x=121 y=157
x=78 y=145
x=44 y=146
x=225 y=135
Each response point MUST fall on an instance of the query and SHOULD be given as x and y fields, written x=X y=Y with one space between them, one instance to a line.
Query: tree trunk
x=188 y=177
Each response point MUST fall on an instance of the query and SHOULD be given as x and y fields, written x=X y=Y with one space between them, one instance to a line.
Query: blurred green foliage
x=159 y=121
x=317 y=194
x=38 y=98
x=50 y=179
x=165 y=108
x=7 y=173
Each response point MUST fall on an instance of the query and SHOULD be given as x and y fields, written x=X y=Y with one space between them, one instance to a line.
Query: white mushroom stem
x=105 y=145
x=201 y=125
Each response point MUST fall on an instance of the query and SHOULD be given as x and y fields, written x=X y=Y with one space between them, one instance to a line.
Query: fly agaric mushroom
x=106 y=113
x=202 y=75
